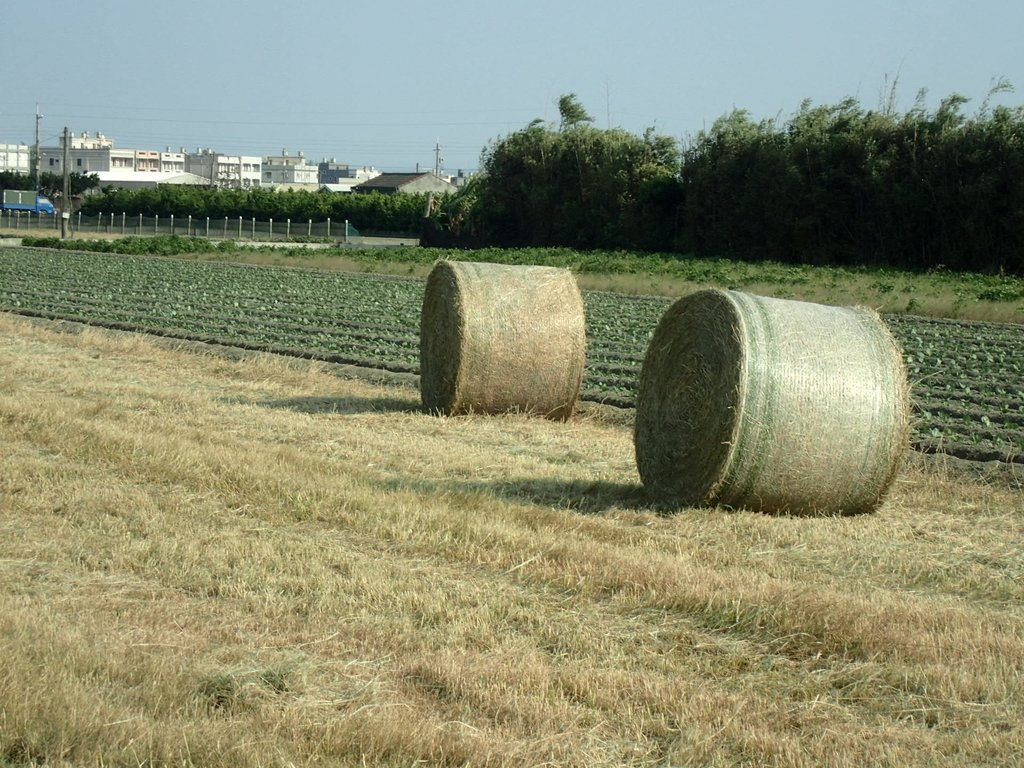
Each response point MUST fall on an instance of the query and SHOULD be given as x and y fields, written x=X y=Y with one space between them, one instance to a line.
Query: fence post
x=309 y=228
x=189 y=230
x=345 y=239
x=271 y=235
x=140 y=223
x=124 y=216
x=288 y=229
x=239 y=227
x=156 y=224
x=253 y=228
x=328 y=226
x=172 y=223
x=79 y=221
x=207 y=226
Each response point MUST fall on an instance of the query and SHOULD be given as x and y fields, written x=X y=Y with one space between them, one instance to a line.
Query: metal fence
x=228 y=228
x=28 y=220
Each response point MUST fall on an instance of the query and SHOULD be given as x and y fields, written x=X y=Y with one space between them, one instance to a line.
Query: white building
x=235 y=171
x=292 y=170
x=16 y=158
x=172 y=162
x=95 y=153
x=85 y=141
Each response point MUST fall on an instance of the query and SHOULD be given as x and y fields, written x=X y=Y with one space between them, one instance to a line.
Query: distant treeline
x=843 y=185
x=839 y=185
x=50 y=184
x=373 y=212
x=832 y=184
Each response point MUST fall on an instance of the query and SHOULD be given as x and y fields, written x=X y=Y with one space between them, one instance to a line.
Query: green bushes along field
x=839 y=185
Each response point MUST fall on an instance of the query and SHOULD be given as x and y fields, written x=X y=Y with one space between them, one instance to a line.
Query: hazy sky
x=379 y=82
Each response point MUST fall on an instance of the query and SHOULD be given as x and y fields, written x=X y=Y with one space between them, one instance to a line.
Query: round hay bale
x=497 y=338
x=770 y=404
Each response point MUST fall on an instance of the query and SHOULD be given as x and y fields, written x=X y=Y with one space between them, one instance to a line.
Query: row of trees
x=374 y=212
x=832 y=184
x=841 y=184
x=571 y=185
x=50 y=184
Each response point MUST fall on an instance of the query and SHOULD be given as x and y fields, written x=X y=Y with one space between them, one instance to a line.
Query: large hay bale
x=782 y=406
x=496 y=338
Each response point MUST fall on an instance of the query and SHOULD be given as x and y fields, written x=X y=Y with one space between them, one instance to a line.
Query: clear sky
x=380 y=82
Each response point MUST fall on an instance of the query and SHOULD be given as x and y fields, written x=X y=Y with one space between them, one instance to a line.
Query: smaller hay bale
x=497 y=338
x=771 y=404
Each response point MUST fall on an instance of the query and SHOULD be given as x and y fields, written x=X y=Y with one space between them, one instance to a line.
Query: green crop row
x=370 y=319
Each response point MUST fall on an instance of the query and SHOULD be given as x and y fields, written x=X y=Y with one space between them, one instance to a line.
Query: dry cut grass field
x=256 y=562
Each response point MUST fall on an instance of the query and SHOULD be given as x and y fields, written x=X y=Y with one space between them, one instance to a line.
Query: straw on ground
x=253 y=562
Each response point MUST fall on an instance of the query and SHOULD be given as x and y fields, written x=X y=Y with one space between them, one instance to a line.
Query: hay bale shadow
x=585 y=497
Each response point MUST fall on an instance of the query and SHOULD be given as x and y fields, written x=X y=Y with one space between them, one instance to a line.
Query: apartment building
x=288 y=169
x=234 y=171
x=15 y=158
x=96 y=153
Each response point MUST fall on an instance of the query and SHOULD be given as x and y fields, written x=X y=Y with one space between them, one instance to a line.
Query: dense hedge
x=576 y=186
x=373 y=212
x=844 y=185
x=833 y=184
x=830 y=185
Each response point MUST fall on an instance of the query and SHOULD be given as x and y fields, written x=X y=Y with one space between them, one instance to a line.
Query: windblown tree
x=570 y=185
x=572 y=112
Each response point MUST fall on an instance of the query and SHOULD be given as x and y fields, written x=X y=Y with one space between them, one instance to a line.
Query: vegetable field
x=968 y=377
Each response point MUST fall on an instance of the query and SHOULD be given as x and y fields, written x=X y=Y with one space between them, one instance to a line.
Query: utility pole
x=35 y=156
x=437 y=158
x=65 y=200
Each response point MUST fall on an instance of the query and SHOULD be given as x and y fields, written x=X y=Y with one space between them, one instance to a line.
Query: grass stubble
x=217 y=562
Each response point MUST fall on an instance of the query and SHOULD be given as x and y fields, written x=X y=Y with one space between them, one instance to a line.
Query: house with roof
x=129 y=179
x=405 y=183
